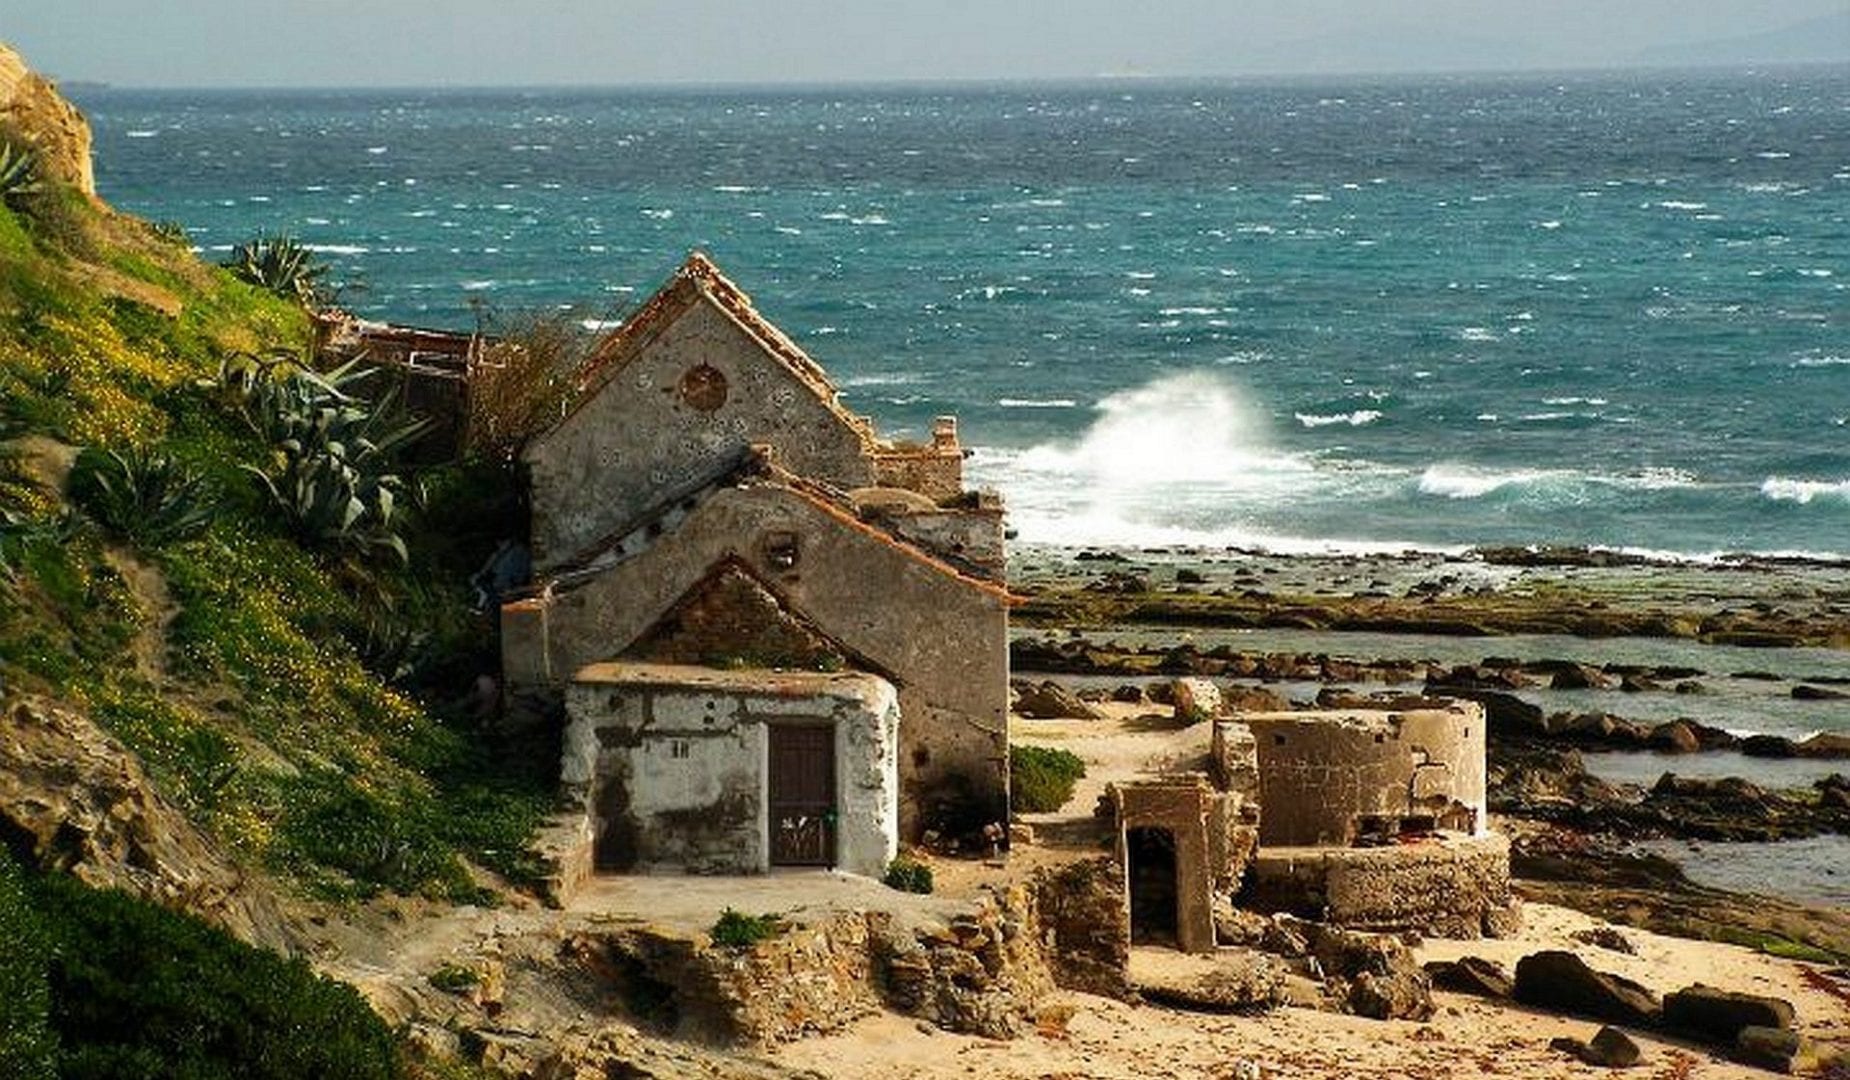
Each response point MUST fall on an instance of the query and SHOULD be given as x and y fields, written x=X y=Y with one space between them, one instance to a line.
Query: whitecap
x=1680 y=204
x=1575 y=401
x=736 y=189
x=1037 y=403
x=597 y=325
x=140 y=133
x=1358 y=418
x=1550 y=224
x=480 y=285
x=1803 y=492
x=1477 y=333
x=1821 y=361
x=376 y=149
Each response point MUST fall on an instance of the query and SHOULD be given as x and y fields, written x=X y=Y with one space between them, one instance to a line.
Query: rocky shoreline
x=1661 y=677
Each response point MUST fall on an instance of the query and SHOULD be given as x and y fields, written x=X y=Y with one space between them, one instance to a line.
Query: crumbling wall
x=666 y=764
x=1457 y=887
x=972 y=539
x=694 y=397
x=935 y=471
x=1213 y=840
x=1341 y=778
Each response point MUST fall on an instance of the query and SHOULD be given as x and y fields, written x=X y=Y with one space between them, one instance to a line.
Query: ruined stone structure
x=1339 y=779
x=709 y=504
x=1366 y=819
x=1183 y=846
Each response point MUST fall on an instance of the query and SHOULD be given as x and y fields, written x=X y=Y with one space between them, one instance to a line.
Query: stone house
x=778 y=639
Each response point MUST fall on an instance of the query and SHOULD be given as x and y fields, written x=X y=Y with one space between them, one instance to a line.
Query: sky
x=198 y=43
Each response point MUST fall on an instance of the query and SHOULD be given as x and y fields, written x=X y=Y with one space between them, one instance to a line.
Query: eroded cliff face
x=32 y=107
x=73 y=798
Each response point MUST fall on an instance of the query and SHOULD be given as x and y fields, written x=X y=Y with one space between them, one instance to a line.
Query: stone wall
x=1454 y=886
x=668 y=764
x=1212 y=837
x=691 y=399
x=1336 y=778
x=940 y=637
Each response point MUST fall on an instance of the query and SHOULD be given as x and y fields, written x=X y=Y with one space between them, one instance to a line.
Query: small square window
x=679 y=749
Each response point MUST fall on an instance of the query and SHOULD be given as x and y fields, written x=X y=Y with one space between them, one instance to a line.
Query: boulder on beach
x=1472 y=975
x=1716 y=1016
x=1675 y=737
x=1195 y=699
x=1609 y=1048
x=1562 y=982
x=1580 y=677
x=1775 y=1049
x=1049 y=700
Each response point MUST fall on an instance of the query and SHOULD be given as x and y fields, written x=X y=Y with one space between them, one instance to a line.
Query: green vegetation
x=737 y=930
x=1041 y=779
x=142 y=495
x=236 y=578
x=280 y=264
x=908 y=875
x=454 y=978
x=19 y=171
x=100 y=984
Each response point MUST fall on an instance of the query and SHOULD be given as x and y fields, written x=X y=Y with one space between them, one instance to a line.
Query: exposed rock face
x=74 y=799
x=1082 y=909
x=32 y=107
x=1563 y=982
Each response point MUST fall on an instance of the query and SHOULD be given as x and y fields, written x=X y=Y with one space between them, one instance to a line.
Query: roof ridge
x=698 y=277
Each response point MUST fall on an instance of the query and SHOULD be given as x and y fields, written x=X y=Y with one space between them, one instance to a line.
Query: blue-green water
x=1579 y=309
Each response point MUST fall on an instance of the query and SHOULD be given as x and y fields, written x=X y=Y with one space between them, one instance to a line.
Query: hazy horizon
x=345 y=44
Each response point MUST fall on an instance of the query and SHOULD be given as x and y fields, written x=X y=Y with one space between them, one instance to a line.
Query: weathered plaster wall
x=642 y=437
x=942 y=639
x=971 y=538
x=1329 y=778
x=668 y=763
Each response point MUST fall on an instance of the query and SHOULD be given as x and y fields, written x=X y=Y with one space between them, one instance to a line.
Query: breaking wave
x=1803 y=492
x=1358 y=418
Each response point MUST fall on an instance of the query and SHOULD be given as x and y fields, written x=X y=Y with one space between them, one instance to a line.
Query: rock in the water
x=1239 y=699
x=1768 y=746
x=1775 y=1049
x=1807 y=692
x=1825 y=744
x=1717 y=1016
x=1675 y=737
x=1051 y=701
x=1612 y=1048
x=1471 y=975
x=1561 y=981
x=1580 y=677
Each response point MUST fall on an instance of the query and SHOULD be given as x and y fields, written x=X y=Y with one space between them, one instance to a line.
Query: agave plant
x=143 y=495
x=280 y=263
x=334 y=478
x=19 y=171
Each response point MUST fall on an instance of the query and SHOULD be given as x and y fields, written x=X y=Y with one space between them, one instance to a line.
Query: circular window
x=704 y=388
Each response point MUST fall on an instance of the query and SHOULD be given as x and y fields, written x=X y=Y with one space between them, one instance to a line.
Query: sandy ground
x=1467 y=1037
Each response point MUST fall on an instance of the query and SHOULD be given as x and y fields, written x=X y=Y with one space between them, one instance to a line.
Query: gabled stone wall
x=690 y=400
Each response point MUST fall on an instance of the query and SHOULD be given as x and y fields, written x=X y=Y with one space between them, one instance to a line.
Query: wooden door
x=802 y=795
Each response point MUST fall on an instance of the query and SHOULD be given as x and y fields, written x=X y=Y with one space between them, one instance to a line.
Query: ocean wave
x=338 y=249
x=1821 y=361
x=1467 y=482
x=1803 y=492
x=1358 y=418
x=1037 y=403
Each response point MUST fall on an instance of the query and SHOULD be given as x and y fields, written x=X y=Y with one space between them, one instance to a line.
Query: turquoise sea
x=1603 y=309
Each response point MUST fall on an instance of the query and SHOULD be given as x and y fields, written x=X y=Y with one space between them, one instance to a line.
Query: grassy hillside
x=300 y=687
